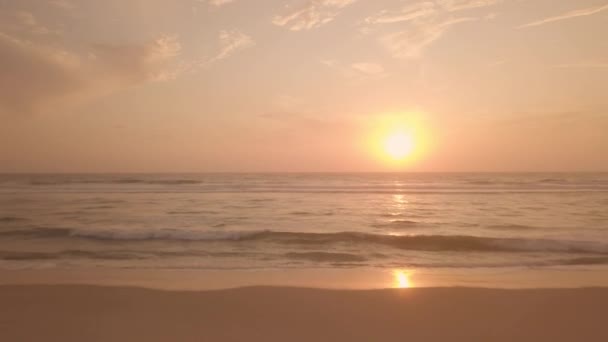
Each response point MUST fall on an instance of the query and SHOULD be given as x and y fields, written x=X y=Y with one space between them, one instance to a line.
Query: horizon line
x=277 y=172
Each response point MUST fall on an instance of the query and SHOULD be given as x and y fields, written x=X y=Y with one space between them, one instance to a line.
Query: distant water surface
x=286 y=221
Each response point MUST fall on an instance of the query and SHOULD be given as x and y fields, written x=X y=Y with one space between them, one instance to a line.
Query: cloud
x=40 y=75
x=359 y=70
x=38 y=78
x=497 y=63
x=314 y=14
x=218 y=3
x=139 y=63
x=23 y=22
x=567 y=15
x=459 y=5
x=425 y=9
x=231 y=42
x=406 y=13
x=411 y=42
x=32 y=75
x=63 y=4
x=371 y=69
x=420 y=24
x=584 y=65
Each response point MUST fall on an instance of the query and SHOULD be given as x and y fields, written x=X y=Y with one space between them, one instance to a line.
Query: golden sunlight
x=399 y=145
x=401 y=279
x=398 y=140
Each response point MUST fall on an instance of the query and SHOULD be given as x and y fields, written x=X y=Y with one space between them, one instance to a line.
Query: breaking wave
x=453 y=243
x=316 y=257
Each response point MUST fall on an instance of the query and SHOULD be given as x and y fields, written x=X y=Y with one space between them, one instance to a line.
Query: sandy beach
x=89 y=313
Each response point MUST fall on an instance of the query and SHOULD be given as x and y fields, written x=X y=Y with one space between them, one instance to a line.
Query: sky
x=302 y=85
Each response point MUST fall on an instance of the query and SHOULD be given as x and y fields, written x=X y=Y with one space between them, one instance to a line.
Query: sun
x=399 y=145
x=397 y=141
x=401 y=279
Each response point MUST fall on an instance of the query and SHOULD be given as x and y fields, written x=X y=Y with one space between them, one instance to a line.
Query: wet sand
x=90 y=313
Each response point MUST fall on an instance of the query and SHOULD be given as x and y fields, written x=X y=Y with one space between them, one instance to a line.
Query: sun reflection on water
x=399 y=201
x=397 y=205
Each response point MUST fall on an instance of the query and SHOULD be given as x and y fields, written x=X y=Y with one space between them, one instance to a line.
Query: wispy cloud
x=406 y=13
x=217 y=3
x=459 y=5
x=497 y=63
x=420 y=24
x=313 y=14
x=139 y=63
x=28 y=20
x=63 y=4
x=231 y=42
x=425 y=9
x=358 y=70
x=24 y=22
x=568 y=15
x=411 y=42
x=583 y=65
x=371 y=69
x=38 y=76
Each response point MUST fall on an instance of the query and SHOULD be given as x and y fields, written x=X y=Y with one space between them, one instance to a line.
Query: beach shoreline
x=357 y=278
x=102 y=313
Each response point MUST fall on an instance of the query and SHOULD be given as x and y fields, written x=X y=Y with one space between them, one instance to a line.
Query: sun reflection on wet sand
x=401 y=279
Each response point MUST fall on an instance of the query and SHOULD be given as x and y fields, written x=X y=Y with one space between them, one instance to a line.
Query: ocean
x=468 y=223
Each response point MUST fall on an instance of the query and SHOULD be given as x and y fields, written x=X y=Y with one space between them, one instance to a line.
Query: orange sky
x=301 y=85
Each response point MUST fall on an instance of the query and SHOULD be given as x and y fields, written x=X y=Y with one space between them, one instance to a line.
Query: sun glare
x=398 y=140
x=399 y=145
x=401 y=279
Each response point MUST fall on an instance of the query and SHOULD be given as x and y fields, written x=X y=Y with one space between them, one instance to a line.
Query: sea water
x=434 y=222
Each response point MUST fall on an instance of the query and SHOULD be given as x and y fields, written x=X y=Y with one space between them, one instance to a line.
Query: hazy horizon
x=303 y=86
x=296 y=172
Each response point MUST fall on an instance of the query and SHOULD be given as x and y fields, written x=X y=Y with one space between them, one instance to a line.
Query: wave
x=331 y=258
x=398 y=223
x=55 y=182
x=311 y=183
x=99 y=207
x=584 y=261
x=325 y=257
x=8 y=219
x=511 y=227
x=555 y=181
x=452 y=243
x=109 y=255
x=187 y=212
x=203 y=189
x=112 y=255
